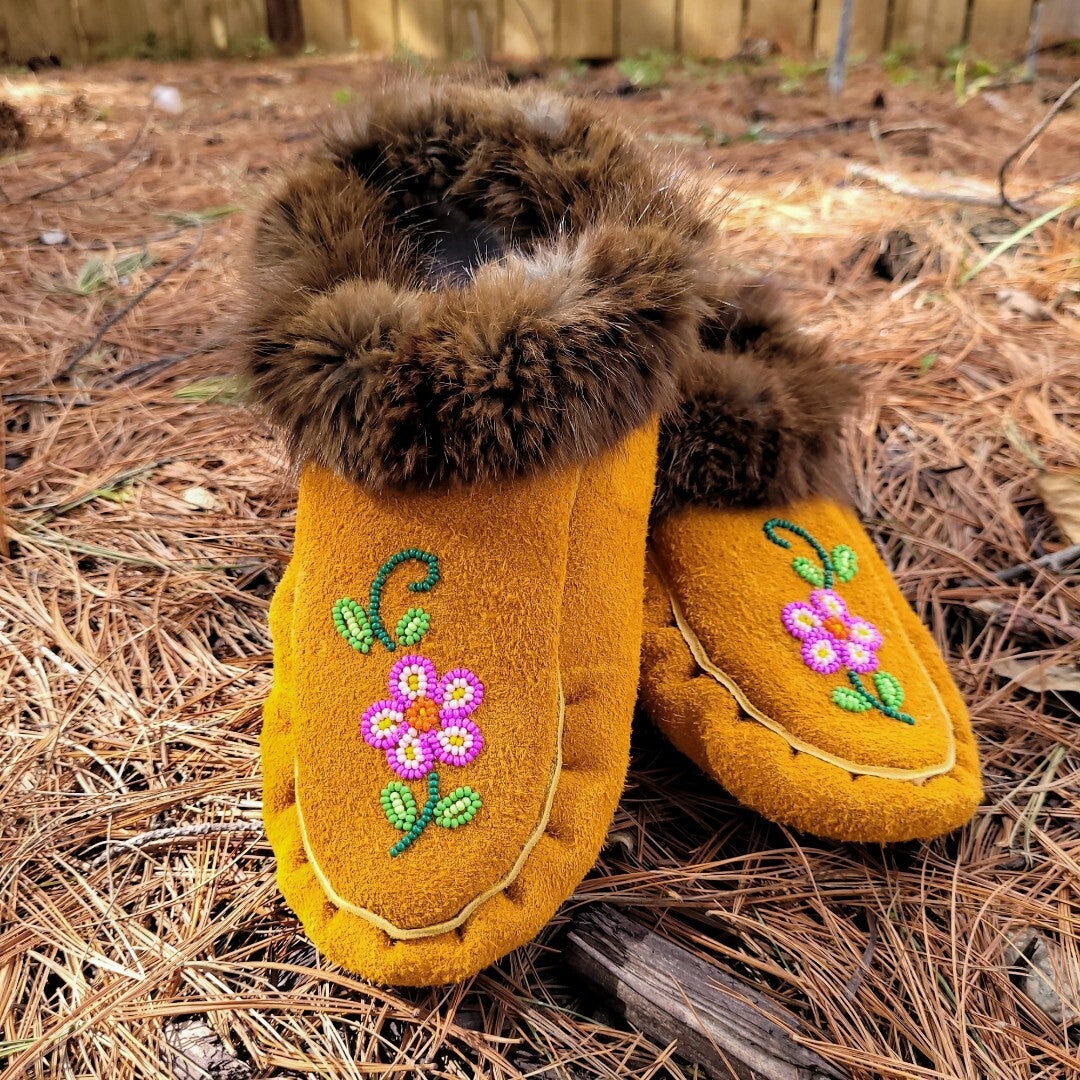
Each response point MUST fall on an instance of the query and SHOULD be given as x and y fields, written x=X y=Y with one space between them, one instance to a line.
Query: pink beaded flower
x=425 y=719
x=832 y=638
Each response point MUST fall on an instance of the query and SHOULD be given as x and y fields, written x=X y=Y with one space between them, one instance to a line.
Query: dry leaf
x=1047 y=424
x=1024 y=303
x=1047 y=974
x=201 y=499
x=1060 y=493
x=1037 y=675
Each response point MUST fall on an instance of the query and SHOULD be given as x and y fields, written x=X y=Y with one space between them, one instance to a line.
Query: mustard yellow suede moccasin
x=779 y=653
x=467 y=350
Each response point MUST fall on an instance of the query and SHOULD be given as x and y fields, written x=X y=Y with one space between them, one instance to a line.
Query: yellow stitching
x=412 y=933
x=729 y=684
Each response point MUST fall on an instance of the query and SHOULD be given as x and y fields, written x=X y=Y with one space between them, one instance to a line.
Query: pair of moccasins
x=500 y=342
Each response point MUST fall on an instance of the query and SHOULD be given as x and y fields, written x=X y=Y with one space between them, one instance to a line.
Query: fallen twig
x=183 y=832
x=1056 y=561
x=899 y=186
x=95 y=170
x=1029 y=140
x=138 y=374
x=116 y=316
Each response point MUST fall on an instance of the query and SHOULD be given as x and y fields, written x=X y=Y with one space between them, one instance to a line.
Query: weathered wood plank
x=91 y=28
x=129 y=25
x=1060 y=21
x=787 y=23
x=371 y=25
x=326 y=24
x=868 y=19
x=422 y=27
x=166 y=20
x=931 y=27
x=717 y=1021
x=999 y=27
x=206 y=30
x=245 y=22
x=645 y=25
x=528 y=29
x=711 y=28
x=587 y=30
x=47 y=29
x=473 y=25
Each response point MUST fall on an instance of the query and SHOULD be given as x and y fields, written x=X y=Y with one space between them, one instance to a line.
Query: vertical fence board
x=929 y=26
x=527 y=31
x=1060 y=21
x=49 y=29
x=206 y=33
x=422 y=27
x=999 y=27
x=91 y=28
x=167 y=21
x=473 y=27
x=129 y=23
x=326 y=24
x=245 y=21
x=711 y=28
x=788 y=23
x=587 y=29
x=868 y=19
x=371 y=24
x=645 y=25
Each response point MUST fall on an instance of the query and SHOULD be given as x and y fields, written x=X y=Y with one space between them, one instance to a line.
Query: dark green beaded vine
x=361 y=628
x=387 y=568
x=424 y=819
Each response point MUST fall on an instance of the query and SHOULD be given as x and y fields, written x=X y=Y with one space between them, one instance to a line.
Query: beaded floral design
x=361 y=627
x=424 y=723
x=833 y=639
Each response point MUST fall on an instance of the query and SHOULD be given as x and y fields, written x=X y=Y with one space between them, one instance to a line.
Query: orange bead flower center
x=422 y=714
x=837 y=627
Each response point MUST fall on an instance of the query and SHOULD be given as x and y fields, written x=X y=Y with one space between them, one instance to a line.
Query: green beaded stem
x=773 y=524
x=875 y=702
x=423 y=820
x=387 y=568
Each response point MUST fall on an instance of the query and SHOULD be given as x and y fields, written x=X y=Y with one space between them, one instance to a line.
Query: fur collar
x=761 y=410
x=470 y=284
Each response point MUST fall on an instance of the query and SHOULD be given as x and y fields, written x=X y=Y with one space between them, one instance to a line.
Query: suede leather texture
x=540 y=596
x=850 y=776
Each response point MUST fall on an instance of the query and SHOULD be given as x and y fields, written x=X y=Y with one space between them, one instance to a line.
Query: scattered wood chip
x=719 y=1022
x=1038 y=676
x=1060 y=493
x=1023 y=303
x=201 y=499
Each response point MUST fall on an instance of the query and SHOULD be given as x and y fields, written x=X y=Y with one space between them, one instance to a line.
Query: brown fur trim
x=471 y=284
x=760 y=417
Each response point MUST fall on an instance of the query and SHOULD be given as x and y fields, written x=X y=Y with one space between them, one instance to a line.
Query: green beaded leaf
x=398 y=805
x=352 y=623
x=845 y=562
x=889 y=689
x=849 y=700
x=412 y=626
x=808 y=570
x=458 y=808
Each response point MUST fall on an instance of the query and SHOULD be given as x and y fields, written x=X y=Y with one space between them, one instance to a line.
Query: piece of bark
x=718 y=1022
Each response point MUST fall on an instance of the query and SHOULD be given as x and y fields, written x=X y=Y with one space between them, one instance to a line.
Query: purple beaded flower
x=425 y=719
x=832 y=638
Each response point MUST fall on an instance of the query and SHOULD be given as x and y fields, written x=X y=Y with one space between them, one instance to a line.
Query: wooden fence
x=85 y=30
